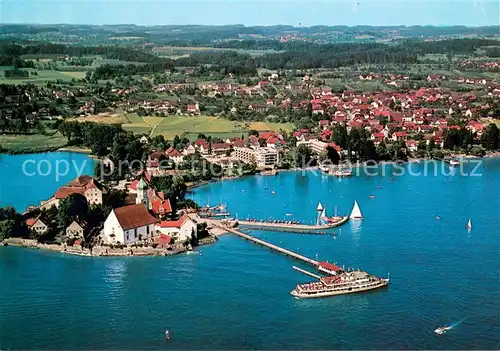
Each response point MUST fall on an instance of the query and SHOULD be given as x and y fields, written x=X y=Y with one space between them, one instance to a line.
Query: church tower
x=142 y=193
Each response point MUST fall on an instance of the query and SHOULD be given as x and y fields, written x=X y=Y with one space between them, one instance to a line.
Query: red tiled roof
x=134 y=216
x=164 y=239
x=335 y=146
x=173 y=152
x=220 y=146
x=266 y=135
x=173 y=224
x=80 y=181
x=31 y=221
x=160 y=207
x=65 y=191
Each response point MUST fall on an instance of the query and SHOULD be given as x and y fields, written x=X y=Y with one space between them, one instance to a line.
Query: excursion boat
x=339 y=284
x=341 y=173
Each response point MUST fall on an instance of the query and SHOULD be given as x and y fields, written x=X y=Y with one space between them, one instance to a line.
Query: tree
x=331 y=155
x=432 y=145
x=12 y=224
x=490 y=139
x=302 y=156
x=73 y=207
x=369 y=152
x=340 y=136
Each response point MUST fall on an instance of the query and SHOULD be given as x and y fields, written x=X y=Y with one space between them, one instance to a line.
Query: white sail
x=320 y=207
x=356 y=212
x=469 y=224
x=323 y=214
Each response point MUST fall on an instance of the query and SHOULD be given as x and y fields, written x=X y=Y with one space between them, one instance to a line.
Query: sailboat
x=356 y=212
x=469 y=225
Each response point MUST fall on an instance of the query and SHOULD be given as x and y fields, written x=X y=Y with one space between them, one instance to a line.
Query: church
x=132 y=223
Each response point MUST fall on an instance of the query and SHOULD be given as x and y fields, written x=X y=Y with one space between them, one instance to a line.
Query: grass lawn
x=33 y=143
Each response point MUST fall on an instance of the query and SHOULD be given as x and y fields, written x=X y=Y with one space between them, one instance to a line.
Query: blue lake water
x=236 y=294
x=27 y=179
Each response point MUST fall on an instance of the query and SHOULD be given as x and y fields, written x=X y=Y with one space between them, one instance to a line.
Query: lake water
x=27 y=179
x=236 y=294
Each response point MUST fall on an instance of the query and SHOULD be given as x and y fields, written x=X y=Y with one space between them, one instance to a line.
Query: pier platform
x=269 y=245
x=294 y=228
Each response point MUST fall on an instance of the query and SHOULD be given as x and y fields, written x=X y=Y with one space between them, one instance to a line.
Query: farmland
x=189 y=126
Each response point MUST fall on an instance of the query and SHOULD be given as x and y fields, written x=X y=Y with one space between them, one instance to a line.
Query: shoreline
x=103 y=251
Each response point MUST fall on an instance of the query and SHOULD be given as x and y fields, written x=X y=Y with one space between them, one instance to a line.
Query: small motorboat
x=273 y=192
x=372 y=196
x=379 y=186
x=289 y=214
x=454 y=163
x=442 y=330
x=167 y=334
x=469 y=225
x=438 y=218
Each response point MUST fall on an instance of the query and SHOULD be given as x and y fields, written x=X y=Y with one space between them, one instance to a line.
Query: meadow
x=17 y=143
x=187 y=126
x=43 y=77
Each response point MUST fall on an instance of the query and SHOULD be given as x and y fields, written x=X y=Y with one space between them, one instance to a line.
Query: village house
x=161 y=207
x=188 y=150
x=201 y=145
x=174 y=155
x=411 y=145
x=180 y=230
x=193 y=109
x=76 y=229
x=220 y=148
x=475 y=127
x=84 y=185
x=399 y=136
x=129 y=224
x=36 y=225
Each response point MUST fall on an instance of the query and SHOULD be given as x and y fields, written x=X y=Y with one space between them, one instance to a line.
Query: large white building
x=128 y=224
x=262 y=156
x=180 y=230
x=84 y=185
x=317 y=146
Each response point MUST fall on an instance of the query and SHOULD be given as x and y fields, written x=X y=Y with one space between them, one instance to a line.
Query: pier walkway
x=289 y=227
x=267 y=244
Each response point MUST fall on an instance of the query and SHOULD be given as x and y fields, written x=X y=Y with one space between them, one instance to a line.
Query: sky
x=253 y=12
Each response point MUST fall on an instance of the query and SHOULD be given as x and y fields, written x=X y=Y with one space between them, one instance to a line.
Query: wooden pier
x=269 y=245
x=295 y=228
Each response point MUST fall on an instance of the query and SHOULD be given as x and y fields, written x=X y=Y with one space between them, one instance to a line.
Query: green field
x=32 y=143
x=190 y=126
x=43 y=77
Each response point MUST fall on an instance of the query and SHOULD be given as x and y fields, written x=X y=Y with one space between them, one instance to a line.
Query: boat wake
x=456 y=324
